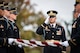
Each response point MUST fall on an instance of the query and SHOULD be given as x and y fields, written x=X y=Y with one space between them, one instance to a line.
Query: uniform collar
x=54 y=25
x=5 y=17
x=11 y=21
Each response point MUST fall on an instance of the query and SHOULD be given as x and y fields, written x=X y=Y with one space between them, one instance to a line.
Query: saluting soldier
x=52 y=31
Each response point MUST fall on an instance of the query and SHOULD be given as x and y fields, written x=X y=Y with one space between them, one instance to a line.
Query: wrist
x=63 y=51
x=44 y=25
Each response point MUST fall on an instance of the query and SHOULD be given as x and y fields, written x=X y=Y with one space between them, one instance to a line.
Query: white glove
x=46 y=21
x=11 y=40
x=63 y=51
x=20 y=46
x=65 y=43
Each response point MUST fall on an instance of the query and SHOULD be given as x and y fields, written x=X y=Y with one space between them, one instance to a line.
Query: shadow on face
x=52 y=19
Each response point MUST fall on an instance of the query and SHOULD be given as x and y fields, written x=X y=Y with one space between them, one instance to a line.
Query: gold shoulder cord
x=4 y=41
x=73 y=42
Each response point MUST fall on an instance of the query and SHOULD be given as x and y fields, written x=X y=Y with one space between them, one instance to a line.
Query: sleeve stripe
x=73 y=42
x=4 y=41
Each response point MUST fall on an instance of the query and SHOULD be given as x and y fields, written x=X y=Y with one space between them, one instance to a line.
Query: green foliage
x=27 y=35
x=40 y=21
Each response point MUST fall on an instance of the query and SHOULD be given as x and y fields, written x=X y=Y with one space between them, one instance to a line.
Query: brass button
x=74 y=39
x=52 y=36
x=8 y=45
x=2 y=29
x=52 y=33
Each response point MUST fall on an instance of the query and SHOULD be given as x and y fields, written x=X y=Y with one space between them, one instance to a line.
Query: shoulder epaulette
x=1 y=18
x=42 y=25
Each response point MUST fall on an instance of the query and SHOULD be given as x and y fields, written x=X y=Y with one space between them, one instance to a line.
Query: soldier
x=52 y=31
x=4 y=40
x=12 y=31
x=2 y=30
x=9 y=29
x=74 y=42
x=12 y=18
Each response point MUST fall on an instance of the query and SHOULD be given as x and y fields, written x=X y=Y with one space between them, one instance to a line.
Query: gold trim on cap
x=13 y=10
x=6 y=6
x=52 y=14
x=1 y=4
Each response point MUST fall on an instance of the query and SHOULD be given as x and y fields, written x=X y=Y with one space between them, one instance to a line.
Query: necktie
x=52 y=26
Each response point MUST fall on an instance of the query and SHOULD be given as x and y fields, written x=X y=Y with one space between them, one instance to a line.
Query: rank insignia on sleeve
x=46 y=28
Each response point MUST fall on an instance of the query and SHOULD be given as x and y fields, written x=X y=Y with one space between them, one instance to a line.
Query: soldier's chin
x=51 y=22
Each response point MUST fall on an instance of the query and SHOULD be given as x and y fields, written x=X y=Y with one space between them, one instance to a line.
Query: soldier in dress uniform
x=12 y=31
x=2 y=30
x=4 y=40
x=12 y=18
x=9 y=29
x=74 y=42
x=52 y=31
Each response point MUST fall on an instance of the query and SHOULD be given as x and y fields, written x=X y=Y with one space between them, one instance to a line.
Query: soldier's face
x=6 y=13
x=77 y=8
x=75 y=15
x=77 y=11
x=52 y=20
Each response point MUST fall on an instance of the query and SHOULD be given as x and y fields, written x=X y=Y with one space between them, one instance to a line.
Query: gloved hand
x=20 y=46
x=65 y=43
x=11 y=40
x=63 y=51
x=46 y=21
x=56 y=42
x=18 y=42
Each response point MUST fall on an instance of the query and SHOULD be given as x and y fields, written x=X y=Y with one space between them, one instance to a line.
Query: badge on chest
x=1 y=26
x=58 y=32
x=15 y=27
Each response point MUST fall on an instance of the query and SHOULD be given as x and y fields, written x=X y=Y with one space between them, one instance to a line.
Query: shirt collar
x=5 y=17
x=54 y=25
